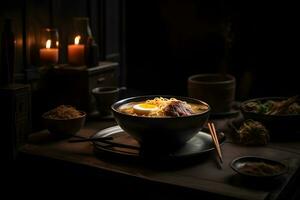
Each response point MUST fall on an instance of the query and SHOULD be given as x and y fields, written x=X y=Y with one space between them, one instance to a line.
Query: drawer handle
x=100 y=80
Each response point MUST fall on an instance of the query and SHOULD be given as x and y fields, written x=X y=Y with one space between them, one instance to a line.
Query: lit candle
x=76 y=52
x=49 y=55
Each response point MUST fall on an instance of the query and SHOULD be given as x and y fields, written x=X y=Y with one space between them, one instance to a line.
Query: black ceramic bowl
x=278 y=125
x=156 y=132
x=258 y=167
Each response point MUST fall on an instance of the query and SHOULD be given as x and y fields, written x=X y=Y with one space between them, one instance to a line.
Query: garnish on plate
x=252 y=133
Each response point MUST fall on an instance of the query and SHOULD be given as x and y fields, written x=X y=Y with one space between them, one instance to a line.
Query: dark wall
x=163 y=42
x=30 y=17
x=169 y=40
x=14 y=10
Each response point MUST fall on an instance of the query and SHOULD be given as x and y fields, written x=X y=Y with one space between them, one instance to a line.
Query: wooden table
x=203 y=177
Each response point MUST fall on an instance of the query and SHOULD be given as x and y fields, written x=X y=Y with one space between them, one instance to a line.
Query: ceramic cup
x=105 y=97
x=218 y=90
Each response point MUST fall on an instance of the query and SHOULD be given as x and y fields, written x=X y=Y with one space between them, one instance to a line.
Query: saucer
x=200 y=144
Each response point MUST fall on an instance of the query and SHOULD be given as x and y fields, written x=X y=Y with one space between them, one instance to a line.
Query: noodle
x=161 y=104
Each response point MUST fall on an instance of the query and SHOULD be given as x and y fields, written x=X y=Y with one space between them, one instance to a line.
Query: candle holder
x=82 y=48
x=49 y=46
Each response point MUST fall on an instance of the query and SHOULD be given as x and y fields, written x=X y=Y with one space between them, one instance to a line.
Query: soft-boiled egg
x=144 y=108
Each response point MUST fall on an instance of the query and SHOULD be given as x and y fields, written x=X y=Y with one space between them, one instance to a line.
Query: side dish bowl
x=275 y=123
x=258 y=167
x=157 y=132
x=64 y=127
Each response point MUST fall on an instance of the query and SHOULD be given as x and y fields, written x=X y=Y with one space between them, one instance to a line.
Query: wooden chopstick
x=104 y=140
x=214 y=136
x=115 y=144
x=91 y=139
x=217 y=141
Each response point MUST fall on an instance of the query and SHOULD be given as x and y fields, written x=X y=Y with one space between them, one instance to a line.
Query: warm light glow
x=48 y=44
x=77 y=39
x=57 y=43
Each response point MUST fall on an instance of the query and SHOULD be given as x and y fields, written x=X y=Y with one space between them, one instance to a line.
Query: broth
x=162 y=107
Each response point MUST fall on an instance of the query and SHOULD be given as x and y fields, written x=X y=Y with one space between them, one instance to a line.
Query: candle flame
x=77 y=39
x=48 y=44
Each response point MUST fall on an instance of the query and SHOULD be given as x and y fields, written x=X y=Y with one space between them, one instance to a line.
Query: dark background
x=257 y=42
x=160 y=43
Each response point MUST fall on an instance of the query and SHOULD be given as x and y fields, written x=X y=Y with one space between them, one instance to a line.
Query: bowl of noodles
x=161 y=121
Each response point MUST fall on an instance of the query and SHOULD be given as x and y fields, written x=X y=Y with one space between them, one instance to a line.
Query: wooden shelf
x=73 y=85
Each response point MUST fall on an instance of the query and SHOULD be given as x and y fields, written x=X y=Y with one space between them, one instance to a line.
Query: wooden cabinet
x=73 y=85
x=15 y=106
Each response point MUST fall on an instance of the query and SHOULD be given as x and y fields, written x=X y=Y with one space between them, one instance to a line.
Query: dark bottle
x=91 y=53
x=7 y=53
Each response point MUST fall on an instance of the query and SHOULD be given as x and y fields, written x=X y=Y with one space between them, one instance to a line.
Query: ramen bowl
x=160 y=132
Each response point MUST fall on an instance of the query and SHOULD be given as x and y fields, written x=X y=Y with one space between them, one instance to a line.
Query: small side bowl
x=278 y=125
x=64 y=127
x=238 y=163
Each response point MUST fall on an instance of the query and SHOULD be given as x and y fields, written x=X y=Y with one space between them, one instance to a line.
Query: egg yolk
x=144 y=108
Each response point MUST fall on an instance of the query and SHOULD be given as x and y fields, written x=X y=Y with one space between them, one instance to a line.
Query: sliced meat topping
x=178 y=108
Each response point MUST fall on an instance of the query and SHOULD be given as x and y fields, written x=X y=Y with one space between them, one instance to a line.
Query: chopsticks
x=101 y=139
x=105 y=140
x=214 y=136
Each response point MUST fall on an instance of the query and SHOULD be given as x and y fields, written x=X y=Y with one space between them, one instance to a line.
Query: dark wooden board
x=201 y=176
